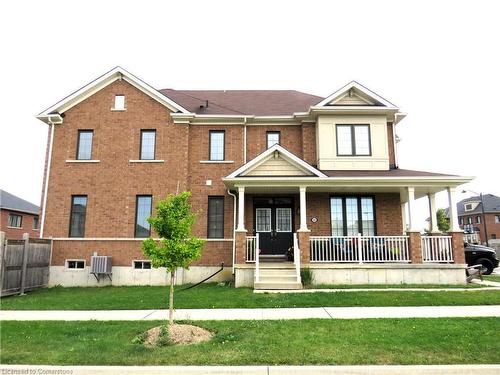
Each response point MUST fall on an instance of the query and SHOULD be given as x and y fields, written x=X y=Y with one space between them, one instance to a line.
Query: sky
x=438 y=60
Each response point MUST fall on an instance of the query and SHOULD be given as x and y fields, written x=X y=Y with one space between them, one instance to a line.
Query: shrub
x=306 y=276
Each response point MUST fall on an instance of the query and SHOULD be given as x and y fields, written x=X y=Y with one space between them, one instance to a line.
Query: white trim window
x=283 y=220
x=119 y=103
x=478 y=219
x=469 y=220
x=468 y=207
x=84 y=146
x=15 y=221
x=272 y=138
x=497 y=219
x=75 y=264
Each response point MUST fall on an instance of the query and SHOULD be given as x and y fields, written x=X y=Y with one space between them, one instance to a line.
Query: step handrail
x=296 y=257
x=257 y=253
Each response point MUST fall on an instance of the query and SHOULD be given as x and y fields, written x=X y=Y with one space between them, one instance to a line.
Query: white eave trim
x=359 y=87
x=287 y=154
x=353 y=181
x=104 y=80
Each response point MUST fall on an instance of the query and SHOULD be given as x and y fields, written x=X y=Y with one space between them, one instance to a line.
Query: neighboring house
x=18 y=216
x=473 y=221
x=308 y=175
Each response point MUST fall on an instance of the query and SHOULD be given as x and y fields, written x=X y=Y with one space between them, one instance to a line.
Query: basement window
x=142 y=264
x=75 y=264
x=119 y=103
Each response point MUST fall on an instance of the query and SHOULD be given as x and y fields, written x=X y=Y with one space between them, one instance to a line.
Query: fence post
x=26 y=238
x=3 y=248
x=360 y=249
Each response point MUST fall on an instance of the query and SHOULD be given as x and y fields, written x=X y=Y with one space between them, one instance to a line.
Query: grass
x=217 y=296
x=294 y=342
x=492 y=278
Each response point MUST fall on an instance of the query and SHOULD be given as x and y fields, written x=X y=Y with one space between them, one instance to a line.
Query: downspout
x=234 y=227
x=46 y=187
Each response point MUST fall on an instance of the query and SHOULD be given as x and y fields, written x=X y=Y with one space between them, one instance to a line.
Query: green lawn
x=294 y=342
x=216 y=296
x=492 y=278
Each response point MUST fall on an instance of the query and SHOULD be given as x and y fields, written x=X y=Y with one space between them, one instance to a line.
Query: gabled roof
x=297 y=162
x=491 y=204
x=353 y=88
x=243 y=102
x=11 y=202
x=103 y=81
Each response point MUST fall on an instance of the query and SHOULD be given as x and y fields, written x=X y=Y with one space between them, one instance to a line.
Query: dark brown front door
x=273 y=220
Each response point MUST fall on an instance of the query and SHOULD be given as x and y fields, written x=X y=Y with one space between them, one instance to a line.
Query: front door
x=274 y=223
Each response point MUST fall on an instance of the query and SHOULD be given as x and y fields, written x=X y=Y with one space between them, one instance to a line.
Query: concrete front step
x=281 y=273
x=282 y=265
x=277 y=278
x=277 y=285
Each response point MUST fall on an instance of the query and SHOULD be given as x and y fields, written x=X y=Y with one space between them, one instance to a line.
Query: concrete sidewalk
x=253 y=370
x=262 y=314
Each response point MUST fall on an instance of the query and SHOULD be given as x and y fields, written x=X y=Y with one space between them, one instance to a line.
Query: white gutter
x=46 y=187
x=234 y=227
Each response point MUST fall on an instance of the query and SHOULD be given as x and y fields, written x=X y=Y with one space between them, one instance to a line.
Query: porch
x=384 y=249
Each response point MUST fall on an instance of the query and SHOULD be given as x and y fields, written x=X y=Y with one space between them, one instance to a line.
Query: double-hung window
x=215 y=217
x=273 y=138
x=352 y=215
x=216 y=152
x=148 y=144
x=353 y=140
x=84 y=147
x=142 y=213
x=77 y=216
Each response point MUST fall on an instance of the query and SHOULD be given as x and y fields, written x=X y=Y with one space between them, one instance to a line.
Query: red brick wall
x=17 y=233
x=290 y=138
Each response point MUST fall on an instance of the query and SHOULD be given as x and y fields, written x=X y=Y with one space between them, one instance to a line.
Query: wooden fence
x=24 y=264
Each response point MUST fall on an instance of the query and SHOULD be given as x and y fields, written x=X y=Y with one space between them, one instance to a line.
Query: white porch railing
x=251 y=249
x=360 y=249
x=296 y=257
x=437 y=249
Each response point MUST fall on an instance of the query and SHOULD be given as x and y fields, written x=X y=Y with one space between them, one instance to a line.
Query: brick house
x=474 y=221
x=18 y=216
x=274 y=173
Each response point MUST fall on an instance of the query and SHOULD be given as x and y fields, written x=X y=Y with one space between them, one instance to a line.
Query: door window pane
x=84 y=148
x=77 y=216
x=215 y=217
x=148 y=143
x=263 y=219
x=143 y=212
x=337 y=217
x=216 y=145
x=367 y=217
x=344 y=140
x=273 y=138
x=283 y=219
x=351 y=209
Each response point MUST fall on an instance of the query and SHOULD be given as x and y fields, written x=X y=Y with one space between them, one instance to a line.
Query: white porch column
x=433 y=215
x=411 y=209
x=241 y=208
x=452 y=201
x=403 y=216
x=303 y=216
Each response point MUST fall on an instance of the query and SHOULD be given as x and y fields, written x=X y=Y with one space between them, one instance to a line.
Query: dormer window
x=468 y=207
x=353 y=140
x=119 y=103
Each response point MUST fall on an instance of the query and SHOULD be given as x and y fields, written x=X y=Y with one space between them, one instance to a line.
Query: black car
x=478 y=254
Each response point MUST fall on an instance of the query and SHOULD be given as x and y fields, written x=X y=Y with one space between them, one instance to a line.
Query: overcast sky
x=438 y=60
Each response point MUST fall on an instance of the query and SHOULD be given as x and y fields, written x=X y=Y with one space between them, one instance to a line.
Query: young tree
x=176 y=247
x=443 y=221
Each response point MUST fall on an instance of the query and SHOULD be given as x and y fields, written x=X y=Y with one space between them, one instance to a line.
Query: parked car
x=478 y=254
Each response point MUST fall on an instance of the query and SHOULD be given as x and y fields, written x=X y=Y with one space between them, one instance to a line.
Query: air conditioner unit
x=101 y=265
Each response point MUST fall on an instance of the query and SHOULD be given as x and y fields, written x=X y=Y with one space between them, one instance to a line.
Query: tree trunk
x=171 y=301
